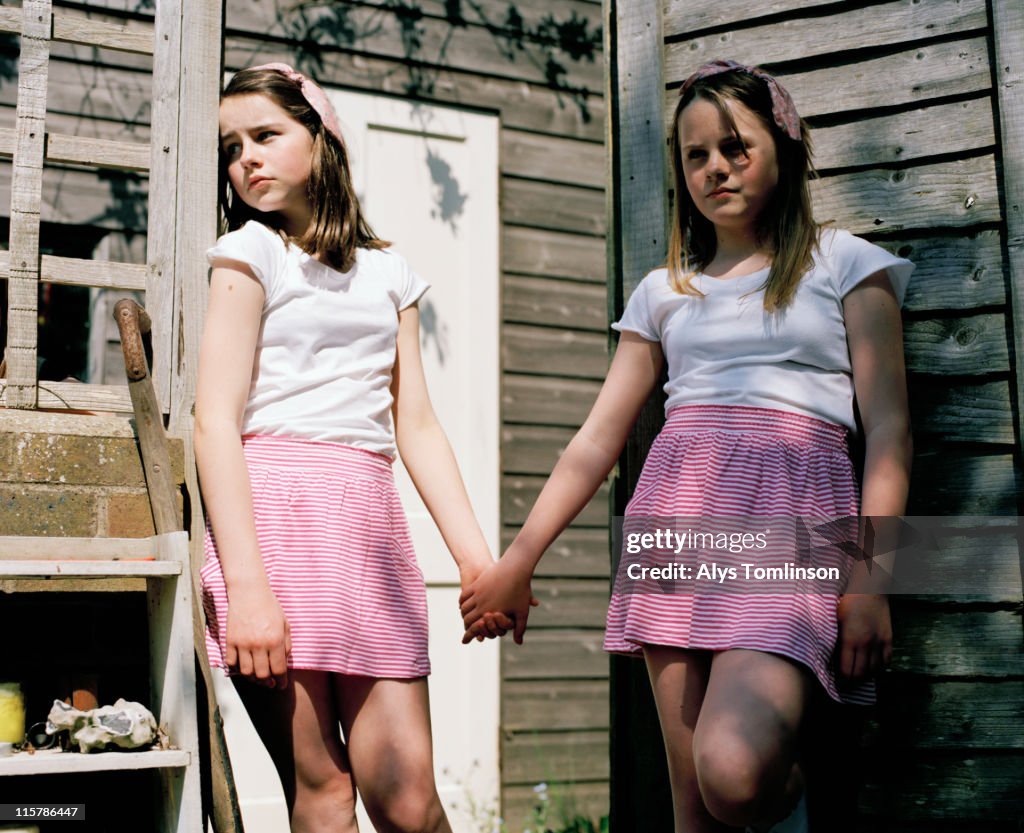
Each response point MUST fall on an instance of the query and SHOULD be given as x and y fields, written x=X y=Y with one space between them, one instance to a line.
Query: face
x=269 y=155
x=729 y=187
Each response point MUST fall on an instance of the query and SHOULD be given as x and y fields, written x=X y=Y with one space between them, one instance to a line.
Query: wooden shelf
x=22 y=547
x=89 y=569
x=54 y=761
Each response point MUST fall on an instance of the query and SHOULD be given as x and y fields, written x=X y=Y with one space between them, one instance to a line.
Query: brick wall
x=73 y=475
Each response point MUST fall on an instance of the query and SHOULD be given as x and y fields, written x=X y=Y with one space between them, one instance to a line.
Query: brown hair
x=338 y=226
x=786 y=226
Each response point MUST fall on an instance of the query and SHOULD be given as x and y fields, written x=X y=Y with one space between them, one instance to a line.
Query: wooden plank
x=55 y=761
x=575 y=553
x=952 y=128
x=195 y=198
x=921 y=713
x=76 y=396
x=88 y=569
x=570 y=603
x=519 y=493
x=912 y=76
x=964 y=346
x=694 y=15
x=554 y=704
x=550 y=206
x=875 y=25
x=72 y=271
x=589 y=799
x=69 y=549
x=547 y=401
x=958 y=272
x=555 y=303
x=947 y=641
x=26 y=193
x=950 y=481
x=122 y=37
x=929 y=787
x=552 y=352
x=983 y=566
x=566 y=756
x=438 y=44
x=101 y=153
x=961 y=413
x=948 y=194
x=553 y=254
x=532 y=449
x=162 y=230
x=553 y=159
x=556 y=655
x=522 y=105
x=1008 y=37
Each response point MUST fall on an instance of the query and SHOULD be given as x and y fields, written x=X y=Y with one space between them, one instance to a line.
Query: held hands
x=502 y=591
x=258 y=638
x=493 y=624
x=865 y=635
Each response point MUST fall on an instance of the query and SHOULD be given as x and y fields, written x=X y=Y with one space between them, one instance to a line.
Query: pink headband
x=314 y=95
x=783 y=110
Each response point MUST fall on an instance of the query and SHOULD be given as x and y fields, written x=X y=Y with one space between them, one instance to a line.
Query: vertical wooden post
x=26 y=195
x=640 y=791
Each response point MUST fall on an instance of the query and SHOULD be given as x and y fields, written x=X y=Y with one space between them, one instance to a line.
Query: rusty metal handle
x=133 y=323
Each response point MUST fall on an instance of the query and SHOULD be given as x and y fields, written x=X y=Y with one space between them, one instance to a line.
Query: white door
x=427 y=178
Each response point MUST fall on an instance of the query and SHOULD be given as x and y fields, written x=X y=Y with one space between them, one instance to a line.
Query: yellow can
x=12 y=713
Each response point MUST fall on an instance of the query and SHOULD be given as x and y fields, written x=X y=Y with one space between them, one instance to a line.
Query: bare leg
x=745 y=744
x=678 y=679
x=299 y=727
x=387 y=727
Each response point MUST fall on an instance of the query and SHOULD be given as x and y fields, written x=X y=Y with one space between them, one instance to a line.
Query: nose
x=717 y=165
x=248 y=155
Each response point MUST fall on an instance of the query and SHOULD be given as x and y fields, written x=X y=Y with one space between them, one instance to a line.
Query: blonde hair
x=786 y=226
x=338 y=226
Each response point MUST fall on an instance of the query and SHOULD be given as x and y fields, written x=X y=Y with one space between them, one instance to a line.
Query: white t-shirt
x=726 y=349
x=327 y=340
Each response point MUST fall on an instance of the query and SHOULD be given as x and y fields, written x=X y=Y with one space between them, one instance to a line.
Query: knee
x=733 y=779
x=327 y=802
x=410 y=807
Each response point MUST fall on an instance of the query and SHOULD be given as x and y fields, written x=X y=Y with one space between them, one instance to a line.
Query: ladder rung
x=39 y=548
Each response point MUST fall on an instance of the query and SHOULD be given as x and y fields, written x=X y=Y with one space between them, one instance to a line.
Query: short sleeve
x=255 y=245
x=636 y=318
x=410 y=285
x=855 y=259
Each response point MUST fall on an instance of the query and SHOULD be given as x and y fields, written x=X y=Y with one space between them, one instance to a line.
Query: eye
x=263 y=135
x=695 y=153
x=734 y=148
x=231 y=150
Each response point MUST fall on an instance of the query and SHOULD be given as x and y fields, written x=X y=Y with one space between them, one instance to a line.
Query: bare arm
x=576 y=477
x=428 y=456
x=257 y=637
x=875 y=336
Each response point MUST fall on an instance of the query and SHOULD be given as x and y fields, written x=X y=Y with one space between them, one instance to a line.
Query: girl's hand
x=258 y=638
x=491 y=624
x=505 y=589
x=865 y=635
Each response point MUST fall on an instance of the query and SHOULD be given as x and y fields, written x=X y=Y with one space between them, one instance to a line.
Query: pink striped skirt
x=337 y=550
x=731 y=462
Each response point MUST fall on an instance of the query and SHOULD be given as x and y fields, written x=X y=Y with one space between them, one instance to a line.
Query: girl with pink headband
x=772 y=327
x=314 y=601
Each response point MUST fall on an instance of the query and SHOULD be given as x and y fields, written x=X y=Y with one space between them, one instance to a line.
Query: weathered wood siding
x=538 y=65
x=918 y=116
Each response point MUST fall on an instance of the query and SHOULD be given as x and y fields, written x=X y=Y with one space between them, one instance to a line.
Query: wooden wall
x=918 y=113
x=510 y=57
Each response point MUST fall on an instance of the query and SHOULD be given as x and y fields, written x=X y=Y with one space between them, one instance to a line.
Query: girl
x=312 y=593
x=769 y=324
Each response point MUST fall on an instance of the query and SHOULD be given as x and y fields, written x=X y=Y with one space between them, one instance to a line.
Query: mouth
x=257 y=181
x=721 y=192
